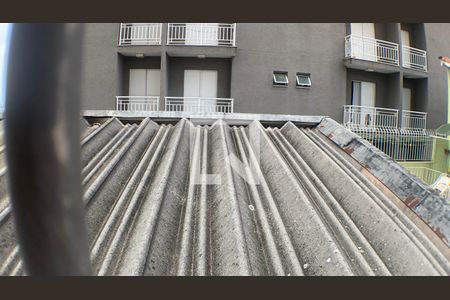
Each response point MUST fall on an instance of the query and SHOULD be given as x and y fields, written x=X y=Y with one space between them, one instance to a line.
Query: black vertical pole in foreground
x=42 y=146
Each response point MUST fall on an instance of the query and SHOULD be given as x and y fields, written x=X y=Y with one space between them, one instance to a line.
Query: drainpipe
x=42 y=147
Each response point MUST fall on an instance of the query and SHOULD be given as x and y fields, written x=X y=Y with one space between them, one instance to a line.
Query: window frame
x=277 y=83
x=303 y=86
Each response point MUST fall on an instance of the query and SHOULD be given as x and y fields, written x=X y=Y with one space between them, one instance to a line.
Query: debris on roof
x=185 y=199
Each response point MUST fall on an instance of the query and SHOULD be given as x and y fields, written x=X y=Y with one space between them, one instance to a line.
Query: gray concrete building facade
x=375 y=64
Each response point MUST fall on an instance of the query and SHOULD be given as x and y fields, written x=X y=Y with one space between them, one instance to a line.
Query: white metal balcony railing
x=202 y=34
x=379 y=126
x=414 y=58
x=140 y=34
x=370 y=49
x=400 y=144
x=366 y=116
x=137 y=103
x=199 y=104
x=414 y=119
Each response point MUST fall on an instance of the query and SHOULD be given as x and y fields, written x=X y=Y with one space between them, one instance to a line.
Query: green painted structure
x=440 y=162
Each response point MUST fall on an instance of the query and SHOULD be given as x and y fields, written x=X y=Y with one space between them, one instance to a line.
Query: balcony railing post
x=234 y=34
x=120 y=33
x=396 y=55
x=169 y=33
x=202 y=41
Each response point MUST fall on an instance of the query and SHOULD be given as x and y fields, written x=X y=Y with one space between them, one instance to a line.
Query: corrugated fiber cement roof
x=184 y=199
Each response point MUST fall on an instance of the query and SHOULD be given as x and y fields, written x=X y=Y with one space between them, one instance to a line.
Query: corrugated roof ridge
x=134 y=260
x=379 y=198
x=299 y=213
x=349 y=237
x=279 y=233
x=239 y=261
x=104 y=154
x=98 y=181
x=387 y=205
x=236 y=141
x=99 y=129
x=201 y=245
x=185 y=246
x=105 y=198
x=127 y=204
x=383 y=234
x=345 y=139
x=98 y=139
x=11 y=262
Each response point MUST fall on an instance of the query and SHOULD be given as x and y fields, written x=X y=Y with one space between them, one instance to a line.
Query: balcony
x=202 y=34
x=379 y=126
x=414 y=58
x=137 y=103
x=366 y=116
x=199 y=104
x=140 y=34
x=414 y=119
x=175 y=104
x=373 y=50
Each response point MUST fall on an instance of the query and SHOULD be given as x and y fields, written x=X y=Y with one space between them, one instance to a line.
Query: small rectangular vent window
x=303 y=80
x=280 y=78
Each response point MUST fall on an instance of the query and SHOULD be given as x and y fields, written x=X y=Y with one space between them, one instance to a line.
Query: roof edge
x=207 y=118
x=424 y=201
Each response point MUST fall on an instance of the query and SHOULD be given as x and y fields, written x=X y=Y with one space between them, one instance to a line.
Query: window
x=303 y=80
x=280 y=78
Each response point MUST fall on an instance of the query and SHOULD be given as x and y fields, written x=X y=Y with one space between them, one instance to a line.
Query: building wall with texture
x=246 y=71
